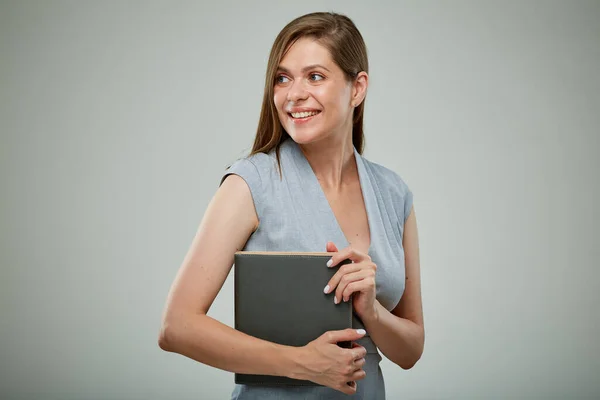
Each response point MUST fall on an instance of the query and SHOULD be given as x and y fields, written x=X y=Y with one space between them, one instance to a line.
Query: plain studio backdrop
x=119 y=118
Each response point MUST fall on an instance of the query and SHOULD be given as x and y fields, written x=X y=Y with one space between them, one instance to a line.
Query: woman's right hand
x=326 y=363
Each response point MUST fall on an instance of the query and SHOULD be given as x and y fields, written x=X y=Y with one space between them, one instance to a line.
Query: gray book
x=279 y=297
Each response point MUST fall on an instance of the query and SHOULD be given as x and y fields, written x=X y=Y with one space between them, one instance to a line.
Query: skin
x=230 y=219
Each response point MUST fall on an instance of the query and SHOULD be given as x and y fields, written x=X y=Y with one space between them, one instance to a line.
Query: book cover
x=279 y=298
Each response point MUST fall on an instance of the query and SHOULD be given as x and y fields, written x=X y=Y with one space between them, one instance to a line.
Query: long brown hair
x=338 y=34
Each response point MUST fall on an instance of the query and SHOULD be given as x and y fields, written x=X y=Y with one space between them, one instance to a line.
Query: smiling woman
x=306 y=187
x=312 y=94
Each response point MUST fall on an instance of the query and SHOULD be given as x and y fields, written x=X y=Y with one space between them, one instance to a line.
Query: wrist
x=293 y=362
x=373 y=316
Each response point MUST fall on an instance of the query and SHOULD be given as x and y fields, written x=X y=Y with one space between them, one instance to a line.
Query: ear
x=359 y=88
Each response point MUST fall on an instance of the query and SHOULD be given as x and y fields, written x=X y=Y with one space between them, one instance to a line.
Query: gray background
x=118 y=119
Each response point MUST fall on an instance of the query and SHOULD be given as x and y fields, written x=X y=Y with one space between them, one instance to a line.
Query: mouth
x=304 y=116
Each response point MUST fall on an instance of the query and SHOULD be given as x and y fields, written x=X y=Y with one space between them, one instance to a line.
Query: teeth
x=304 y=114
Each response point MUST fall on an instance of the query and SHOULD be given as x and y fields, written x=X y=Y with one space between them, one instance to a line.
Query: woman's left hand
x=357 y=277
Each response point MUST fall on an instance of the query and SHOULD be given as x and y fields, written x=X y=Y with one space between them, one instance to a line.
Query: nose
x=297 y=91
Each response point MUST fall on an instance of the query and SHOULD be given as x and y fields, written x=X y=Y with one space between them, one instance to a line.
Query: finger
x=344 y=335
x=331 y=247
x=366 y=284
x=348 y=388
x=348 y=253
x=335 y=279
x=358 y=364
x=358 y=375
x=359 y=352
x=346 y=280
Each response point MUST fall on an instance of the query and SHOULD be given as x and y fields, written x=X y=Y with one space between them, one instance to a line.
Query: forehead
x=306 y=51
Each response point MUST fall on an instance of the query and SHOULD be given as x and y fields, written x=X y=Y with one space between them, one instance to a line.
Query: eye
x=316 y=77
x=281 y=79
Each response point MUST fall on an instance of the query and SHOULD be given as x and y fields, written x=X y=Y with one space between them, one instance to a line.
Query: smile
x=305 y=116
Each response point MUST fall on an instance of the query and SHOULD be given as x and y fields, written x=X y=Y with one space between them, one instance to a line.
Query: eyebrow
x=308 y=67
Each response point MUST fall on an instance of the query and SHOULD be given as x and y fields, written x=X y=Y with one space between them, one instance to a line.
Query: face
x=314 y=100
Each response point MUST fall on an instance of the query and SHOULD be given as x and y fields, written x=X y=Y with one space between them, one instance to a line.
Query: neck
x=332 y=160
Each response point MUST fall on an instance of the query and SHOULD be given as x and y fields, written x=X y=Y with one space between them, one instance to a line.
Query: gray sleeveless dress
x=295 y=215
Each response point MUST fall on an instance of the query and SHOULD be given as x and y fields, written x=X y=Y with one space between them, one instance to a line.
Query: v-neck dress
x=294 y=215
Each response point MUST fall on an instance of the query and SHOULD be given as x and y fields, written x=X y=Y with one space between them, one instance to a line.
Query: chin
x=305 y=137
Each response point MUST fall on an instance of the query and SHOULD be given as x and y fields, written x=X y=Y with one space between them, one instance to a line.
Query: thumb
x=345 y=335
x=331 y=248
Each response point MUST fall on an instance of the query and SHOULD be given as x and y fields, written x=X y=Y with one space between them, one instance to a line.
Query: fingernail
x=330 y=262
x=361 y=331
x=326 y=289
x=335 y=299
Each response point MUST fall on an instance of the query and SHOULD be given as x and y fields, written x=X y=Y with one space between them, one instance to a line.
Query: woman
x=306 y=187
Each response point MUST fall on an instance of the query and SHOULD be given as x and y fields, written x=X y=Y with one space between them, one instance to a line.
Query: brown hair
x=338 y=34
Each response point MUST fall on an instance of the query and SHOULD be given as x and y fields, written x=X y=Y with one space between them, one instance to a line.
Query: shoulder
x=258 y=171
x=387 y=177
x=254 y=168
x=392 y=188
x=265 y=163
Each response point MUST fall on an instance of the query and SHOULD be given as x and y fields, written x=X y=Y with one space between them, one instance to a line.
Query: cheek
x=278 y=97
x=334 y=95
x=334 y=101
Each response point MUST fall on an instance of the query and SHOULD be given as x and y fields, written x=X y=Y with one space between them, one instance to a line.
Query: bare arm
x=400 y=334
x=227 y=224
